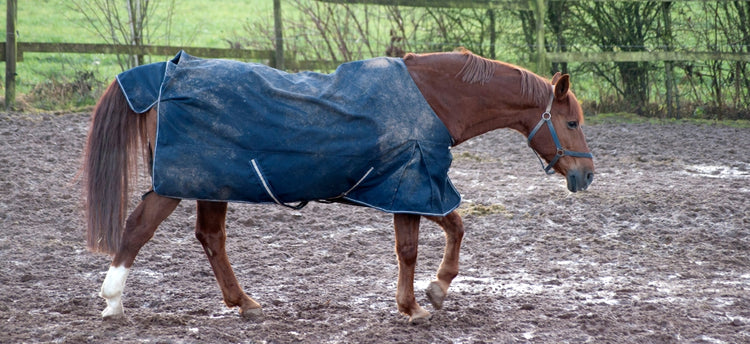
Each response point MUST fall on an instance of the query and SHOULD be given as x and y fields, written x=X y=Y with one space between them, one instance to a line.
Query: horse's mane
x=476 y=69
x=534 y=88
x=480 y=70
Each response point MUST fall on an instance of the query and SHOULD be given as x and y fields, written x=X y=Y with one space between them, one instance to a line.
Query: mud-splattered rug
x=234 y=131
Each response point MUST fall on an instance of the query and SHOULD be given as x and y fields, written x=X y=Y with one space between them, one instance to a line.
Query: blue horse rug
x=234 y=131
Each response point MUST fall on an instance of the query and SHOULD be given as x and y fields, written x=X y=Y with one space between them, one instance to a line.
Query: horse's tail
x=110 y=163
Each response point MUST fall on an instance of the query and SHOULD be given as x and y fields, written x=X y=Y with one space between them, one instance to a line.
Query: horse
x=469 y=94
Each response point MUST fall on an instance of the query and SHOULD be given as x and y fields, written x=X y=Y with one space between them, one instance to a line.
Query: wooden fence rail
x=270 y=56
x=19 y=48
x=153 y=50
x=644 y=56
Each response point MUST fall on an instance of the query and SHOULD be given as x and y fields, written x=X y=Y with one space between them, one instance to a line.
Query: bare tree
x=471 y=28
x=127 y=22
x=729 y=80
x=622 y=26
x=344 y=32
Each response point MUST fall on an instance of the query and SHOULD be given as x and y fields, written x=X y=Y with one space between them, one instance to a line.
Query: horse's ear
x=556 y=78
x=562 y=86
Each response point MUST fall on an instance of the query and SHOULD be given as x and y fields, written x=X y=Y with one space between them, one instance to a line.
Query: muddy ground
x=655 y=252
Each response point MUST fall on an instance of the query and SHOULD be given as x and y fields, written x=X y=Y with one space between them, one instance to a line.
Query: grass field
x=195 y=23
x=44 y=78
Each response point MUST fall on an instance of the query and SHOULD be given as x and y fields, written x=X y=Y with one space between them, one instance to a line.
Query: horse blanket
x=235 y=131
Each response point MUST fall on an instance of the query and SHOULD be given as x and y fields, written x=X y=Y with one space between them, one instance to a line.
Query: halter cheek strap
x=547 y=119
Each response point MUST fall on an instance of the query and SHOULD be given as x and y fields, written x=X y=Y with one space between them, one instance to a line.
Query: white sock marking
x=112 y=289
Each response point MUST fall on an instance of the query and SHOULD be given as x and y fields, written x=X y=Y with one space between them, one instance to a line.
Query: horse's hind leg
x=454 y=232
x=407 y=239
x=139 y=228
x=210 y=231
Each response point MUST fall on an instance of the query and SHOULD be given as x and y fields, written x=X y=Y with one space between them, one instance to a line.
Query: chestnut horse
x=471 y=95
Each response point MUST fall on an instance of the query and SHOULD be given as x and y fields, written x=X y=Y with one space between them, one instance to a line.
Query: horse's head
x=488 y=98
x=557 y=137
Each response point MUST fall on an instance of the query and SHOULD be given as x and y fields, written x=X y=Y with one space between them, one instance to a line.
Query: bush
x=65 y=93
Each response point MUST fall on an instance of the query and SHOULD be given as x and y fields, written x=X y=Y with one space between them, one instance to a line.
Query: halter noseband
x=547 y=118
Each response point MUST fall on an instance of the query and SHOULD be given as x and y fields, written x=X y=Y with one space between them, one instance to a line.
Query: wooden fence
x=158 y=50
x=12 y=51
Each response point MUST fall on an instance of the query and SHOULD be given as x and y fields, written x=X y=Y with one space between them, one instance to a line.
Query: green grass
x=195 y=23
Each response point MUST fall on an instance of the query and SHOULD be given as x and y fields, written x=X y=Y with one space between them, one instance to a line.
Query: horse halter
x=547 y=119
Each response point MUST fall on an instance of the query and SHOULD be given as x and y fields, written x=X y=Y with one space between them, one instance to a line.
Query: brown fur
x=109 y=166
x=480 y=70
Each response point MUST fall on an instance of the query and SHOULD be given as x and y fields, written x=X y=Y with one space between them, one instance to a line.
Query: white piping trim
x=132 y=107
x=263 y=181
x=358 y=182
x=158 y=124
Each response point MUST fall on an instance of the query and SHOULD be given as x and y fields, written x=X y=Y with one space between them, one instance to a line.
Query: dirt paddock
x=655 y=252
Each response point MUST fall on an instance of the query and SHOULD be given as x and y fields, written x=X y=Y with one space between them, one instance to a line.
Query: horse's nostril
x=589 y=177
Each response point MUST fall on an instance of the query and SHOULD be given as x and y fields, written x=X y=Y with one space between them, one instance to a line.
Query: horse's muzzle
x=579 y=180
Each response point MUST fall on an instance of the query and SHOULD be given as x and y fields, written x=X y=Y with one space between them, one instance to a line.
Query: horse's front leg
x=211 y=232
x=407 y=239
x=454 y=232
x=139 y=228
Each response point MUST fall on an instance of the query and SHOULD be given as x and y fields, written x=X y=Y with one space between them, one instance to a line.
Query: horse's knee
x=137 y=227
x=459 y=231
x=209 y=226
x=212 y=241
x=454 y=225
x=141 y=225
x=407 y=254
x=203 y=237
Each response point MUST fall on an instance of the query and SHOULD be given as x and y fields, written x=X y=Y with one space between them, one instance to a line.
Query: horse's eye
x=572 y=125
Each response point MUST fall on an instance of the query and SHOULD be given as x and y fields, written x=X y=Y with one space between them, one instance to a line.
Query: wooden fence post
x=540 y=12
x=493 y=33
x=10 y=55
x=277 y=29
x=669 y=81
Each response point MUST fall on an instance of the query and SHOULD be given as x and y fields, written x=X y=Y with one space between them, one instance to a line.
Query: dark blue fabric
x=233 y=131
x=141 y=85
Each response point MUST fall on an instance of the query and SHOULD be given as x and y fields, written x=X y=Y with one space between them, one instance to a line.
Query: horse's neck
x=469 y=109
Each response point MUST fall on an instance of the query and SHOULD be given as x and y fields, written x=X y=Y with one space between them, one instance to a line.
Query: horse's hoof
x=113 y=313
x=420 y=317
x=254 y=314
x=436 y=295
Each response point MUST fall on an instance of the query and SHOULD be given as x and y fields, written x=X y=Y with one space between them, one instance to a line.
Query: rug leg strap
x=266 y=186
